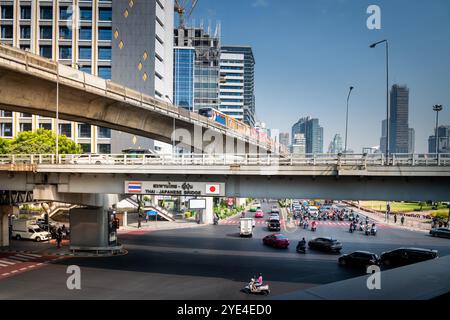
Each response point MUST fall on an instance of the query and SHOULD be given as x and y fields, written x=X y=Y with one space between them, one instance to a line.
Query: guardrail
x=90 y=83
x=359 y=160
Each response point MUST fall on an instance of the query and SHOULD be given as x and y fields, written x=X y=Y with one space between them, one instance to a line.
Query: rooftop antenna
x=184 y=8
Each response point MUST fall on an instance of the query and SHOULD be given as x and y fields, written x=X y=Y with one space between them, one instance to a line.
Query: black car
x=440 y=232
x=406 y=256
x=274 y=225
x=359 y=259
x=325 y=244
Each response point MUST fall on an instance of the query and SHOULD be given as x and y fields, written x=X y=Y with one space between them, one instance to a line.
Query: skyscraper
x=97 y=37
x=284 y=139
x=313 y=134
x=383 y=136
x=249 y=81
x=336 y=145
x=444 y=140
x=298 y=144
x=183 y=76
x=398 y=122
x=232 y=85
x=411 y=140
x=207 y=60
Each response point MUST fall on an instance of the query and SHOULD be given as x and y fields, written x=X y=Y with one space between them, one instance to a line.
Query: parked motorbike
x=252 y=288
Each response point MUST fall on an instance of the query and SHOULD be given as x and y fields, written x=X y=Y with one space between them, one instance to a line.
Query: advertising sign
x=197 y=204
x=171 y=188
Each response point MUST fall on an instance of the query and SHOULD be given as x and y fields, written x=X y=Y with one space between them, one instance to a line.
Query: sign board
x=152 y=213
x=170 y=188
x=197 y=204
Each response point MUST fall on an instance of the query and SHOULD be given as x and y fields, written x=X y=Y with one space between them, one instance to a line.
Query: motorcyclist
x=301 y=244
x=314 y=225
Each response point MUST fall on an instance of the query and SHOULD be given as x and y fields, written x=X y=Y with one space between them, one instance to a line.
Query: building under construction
x=207 y=63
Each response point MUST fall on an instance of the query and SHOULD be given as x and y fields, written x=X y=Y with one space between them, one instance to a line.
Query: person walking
x=395 y=218
x=58 y=238
x=403 y=220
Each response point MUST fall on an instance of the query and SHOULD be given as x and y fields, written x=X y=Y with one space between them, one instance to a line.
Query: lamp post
x=346 y=119
x=387 y=91
x=438 y=108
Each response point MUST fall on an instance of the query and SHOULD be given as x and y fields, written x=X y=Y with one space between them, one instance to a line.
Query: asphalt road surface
x=210 y=262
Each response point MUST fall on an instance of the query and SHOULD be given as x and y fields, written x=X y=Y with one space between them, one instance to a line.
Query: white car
x=92 y=159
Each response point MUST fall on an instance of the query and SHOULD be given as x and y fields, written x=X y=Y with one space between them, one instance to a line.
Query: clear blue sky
x=309 y=52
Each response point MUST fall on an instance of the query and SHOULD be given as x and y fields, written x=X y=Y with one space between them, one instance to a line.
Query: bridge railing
x=348 y=160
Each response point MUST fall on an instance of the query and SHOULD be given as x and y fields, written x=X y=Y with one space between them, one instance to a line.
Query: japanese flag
x=213 y=189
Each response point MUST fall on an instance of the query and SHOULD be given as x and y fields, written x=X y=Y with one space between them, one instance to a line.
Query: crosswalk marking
x=18 y=259
x=29 y=255
x=3 y=265
x=7 y=261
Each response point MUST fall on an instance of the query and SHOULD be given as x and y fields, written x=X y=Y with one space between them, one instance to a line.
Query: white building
x=232 y=85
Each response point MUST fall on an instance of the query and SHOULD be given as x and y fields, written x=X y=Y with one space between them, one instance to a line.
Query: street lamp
x=437 y=108
x=387 y=91
x=346 y=121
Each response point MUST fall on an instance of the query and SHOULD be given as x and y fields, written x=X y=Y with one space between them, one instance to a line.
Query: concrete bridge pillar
x=5 y=211
x=207 y=216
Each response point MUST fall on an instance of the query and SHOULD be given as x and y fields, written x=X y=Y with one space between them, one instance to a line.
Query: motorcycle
x=251 y=288
x=361 y=227
x=216 y=221
x=373 y=231
x=314 y=227
x=351 y=228
x=301 y=247
x=367 y=231
x=305 y=225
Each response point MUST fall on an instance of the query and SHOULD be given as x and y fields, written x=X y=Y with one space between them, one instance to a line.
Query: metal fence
x=359 y=160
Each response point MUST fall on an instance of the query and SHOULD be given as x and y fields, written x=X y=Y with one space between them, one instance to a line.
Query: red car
x=276 y=241
x=259 y=214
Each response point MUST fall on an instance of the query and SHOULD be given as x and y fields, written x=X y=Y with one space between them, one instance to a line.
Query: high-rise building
x=207 y=61
x=129 y=42
x=249 y=81
x=232 y=85
x=444 y=140
x=383 y=136
x=183 y=76
x=336 y=145
x=284 y=139
x=299 y=144
x=313 y=134
x=411 y=140
x=398 y=120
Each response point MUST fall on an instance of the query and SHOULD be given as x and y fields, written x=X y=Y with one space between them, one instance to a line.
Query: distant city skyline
x=305 y=68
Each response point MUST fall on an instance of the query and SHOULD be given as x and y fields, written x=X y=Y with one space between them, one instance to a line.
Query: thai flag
x=134 y=187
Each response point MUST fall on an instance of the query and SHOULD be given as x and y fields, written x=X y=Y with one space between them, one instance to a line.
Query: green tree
x=42 y=142
x=4 y=145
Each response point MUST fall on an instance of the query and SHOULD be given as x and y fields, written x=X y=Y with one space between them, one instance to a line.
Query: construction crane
x=184 y=8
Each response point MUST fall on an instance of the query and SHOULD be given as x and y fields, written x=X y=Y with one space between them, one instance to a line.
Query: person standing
x=403 y=220
x=395 y=218
x=58 y=238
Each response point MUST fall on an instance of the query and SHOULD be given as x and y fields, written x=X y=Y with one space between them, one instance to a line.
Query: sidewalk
x=411 y=224
x=159 y=226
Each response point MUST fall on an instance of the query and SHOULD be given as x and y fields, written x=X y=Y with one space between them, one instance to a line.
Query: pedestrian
x=139 y=220
x=403 y=219
x=395 y=218
x=58 y=238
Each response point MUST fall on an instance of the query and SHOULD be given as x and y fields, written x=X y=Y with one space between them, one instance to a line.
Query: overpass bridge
x=28 y=84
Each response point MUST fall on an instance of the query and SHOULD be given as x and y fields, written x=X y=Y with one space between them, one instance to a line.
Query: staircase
x=163 y=213
x=55 y=208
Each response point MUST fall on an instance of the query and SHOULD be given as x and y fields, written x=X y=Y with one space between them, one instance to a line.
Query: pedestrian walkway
x=15 y=263
x=153 y=226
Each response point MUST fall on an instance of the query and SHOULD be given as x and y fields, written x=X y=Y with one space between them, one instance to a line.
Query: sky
x=309 y=52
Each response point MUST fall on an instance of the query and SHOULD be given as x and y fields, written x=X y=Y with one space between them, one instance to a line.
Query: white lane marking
x=25 y=257
x=18 y=259
x=3 y=265
x=5 y=274
x=32 y=255
x=7 y=262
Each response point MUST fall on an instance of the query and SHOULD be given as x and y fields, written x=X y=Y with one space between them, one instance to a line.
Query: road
x=210 y=262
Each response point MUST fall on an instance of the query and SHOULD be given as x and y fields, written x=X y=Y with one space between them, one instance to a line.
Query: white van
x=28 y=229
x=246 y=227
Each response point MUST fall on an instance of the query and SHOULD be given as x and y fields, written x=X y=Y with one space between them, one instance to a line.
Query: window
x=6 y=129
x=84 y=130
x=46 y=13
x=46 y=32
x=104 y=72
x=25 y=32
x=25 y=12
x=6 y=32
x=65 y=129
x=104 y=148
x=85 y=147
x=65 y=33
x=105 y=14
x=86 y=69
x=65 y=52
x=85 y=14
x=45 y=51
x=85 y=33
x=65 y=13
x=85 y=53
x=104 y=133
x=104 y=33
x=7 y=12
x=25 y=47
x=5 y=114
x=25 y=115
x=46 y=126
x=104 y=53
x=25 y=127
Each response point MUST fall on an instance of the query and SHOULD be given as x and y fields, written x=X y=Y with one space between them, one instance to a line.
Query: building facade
x=383 y=139
x=183 y=77
x=336 y=145
x=411 y=140
x=313 y=134
x=285 y=139
x=298 y=144
x=444 y=140
x=129 y=42
x=249 y=81
x=207 y=63
x=398 y=121
x=232 y=85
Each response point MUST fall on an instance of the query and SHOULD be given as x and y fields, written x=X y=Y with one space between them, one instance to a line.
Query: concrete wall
x=4 y=223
